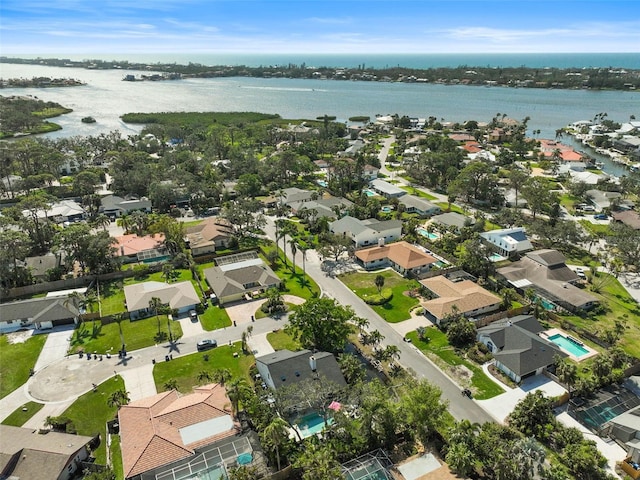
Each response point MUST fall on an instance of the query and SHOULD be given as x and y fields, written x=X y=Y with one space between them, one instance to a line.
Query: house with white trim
x=367 y=232
x=508 y=242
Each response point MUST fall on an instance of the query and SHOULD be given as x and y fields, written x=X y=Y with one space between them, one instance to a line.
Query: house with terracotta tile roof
x=403 y=257
x=26 y=453
x=149 y=248
x=180 y=296
x=468 y=297
x=208 y=235
x=168 y=435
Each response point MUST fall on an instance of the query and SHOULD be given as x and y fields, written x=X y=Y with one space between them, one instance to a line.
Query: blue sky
x=318 y=26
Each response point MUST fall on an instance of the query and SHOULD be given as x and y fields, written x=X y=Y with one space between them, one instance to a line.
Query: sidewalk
x=259 y=345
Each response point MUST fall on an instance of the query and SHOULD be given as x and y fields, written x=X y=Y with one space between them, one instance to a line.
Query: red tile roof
x=400 y=253
x=132 y=244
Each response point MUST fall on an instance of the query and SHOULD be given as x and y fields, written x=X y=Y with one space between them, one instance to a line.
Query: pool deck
x=556 y=331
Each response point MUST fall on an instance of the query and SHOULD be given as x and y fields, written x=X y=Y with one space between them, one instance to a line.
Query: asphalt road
x=460 y=407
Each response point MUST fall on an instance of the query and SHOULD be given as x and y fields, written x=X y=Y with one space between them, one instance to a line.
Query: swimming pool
x=570 y=345
x=369 y=193
x=322 y=183
x=311 y=424
x=425 y=233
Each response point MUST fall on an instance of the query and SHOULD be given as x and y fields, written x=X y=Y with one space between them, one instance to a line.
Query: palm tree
x=379 y=283
x=118 y=318
x=392 y=352
x=303 y=250
x=154 y=304
x=221 y=375
x=275 y=435
x=351 y=368
x=375 y=337
x=167 y=272
x=236 y=390
x=294 y=250
x=118 y=398
x=204 y=376
x=101 y=220
x=171 y=384
x=508 y=296
x=362 y=323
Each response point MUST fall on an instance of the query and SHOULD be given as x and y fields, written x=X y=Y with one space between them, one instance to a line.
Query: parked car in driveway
x=193 y=315
x=206 y=344
x=600 y=216
x=580 y=273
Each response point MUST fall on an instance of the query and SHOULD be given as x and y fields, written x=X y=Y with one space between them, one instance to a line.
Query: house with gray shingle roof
x=419 y=206
x=455 y=221
x=367 y=232
x=284 y=368
x=517 y=348
x=386 y=189
x=37 y=313
x=180 y=296
x=115 y=206
x=234 y=280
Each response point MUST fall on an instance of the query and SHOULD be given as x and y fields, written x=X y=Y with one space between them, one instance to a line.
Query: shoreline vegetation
x=22 y=116
x=40 y=82
x=515 y=77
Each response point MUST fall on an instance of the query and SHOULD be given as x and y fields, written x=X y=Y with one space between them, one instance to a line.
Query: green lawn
x=293 y=282
x=214 y=317
x=16 y=360
x=282 y=341
x=419 y=193
x=438 y=348
x=137 y=334
x=454 y=208
x=619 y=304
x=185 y=369
x=598 y=229
x=395 y=310
x=20 y=416
x=90 y=413
x=116 y=457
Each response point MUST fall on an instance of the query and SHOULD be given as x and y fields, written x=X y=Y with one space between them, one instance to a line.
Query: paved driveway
x=189 y=328
x=56 y=346
x=501 y=406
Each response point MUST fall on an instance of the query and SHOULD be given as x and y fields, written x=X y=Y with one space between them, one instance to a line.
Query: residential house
x=294 y=195
x=508 y=242
x=285 y=368
x=131 y=248
x=41 y=265
x=517 y=348
x=386 y=189
x=61 y=211
x=180 y=296
x=369 y=172
x=628 y=217
x=208 y=236
x=114 y=206
x=420 y=206
x=546 y=273
x=26 y=453
x=602 y=200
x=625 y=429
x=463 y=296
x=510 y=199
x=453 y=220
x=403 y=257
x=170 y=435
x=330 y=207
x=38 y=313
x=367 y=232
x=240 y=276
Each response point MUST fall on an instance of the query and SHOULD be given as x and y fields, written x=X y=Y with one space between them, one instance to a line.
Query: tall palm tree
x=101 y=220
x=566 y=371
x=154 y=304
x=236 y=390
x=118 y=318
x=275 y=435
x=294 y=250
x=303 y=249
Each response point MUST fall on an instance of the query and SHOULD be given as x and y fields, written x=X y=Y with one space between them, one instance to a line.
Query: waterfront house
x=403 y=257
x=545 y=272
x=28 y=453
x=508 y=242
x=240 y=276
x=468 y=297
x=180 y=296
x=518 y=350
x=419 y=206
x=168 y=434
x=367 y=232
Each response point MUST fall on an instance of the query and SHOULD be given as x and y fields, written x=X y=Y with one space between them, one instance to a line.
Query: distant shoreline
x=606 y=78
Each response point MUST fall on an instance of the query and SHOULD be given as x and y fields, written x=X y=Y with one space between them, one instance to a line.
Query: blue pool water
x=386 y=209
x=369 y=193
x=425 y=233
x=566 y=344
x=322 y=183
x=311 y=424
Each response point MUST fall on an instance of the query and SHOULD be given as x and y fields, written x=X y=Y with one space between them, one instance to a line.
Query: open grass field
x=90 y=413
x=395 y=310
x=16 y=360
x=185 y=369
x=137 y=334
x=20 y=416
x=443 y=354
x=281 y=340
x=619 y=304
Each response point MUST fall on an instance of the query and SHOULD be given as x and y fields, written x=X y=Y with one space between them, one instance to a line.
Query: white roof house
x=386 y=189
x=508 y=241
x=367 y=232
